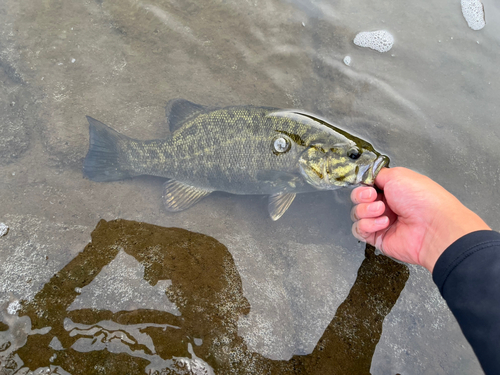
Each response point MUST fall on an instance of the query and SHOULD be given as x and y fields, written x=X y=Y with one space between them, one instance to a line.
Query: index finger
x=363 y=194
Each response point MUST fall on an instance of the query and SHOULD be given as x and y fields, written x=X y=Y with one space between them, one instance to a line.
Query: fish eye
x=281 y=145
x=354 y=153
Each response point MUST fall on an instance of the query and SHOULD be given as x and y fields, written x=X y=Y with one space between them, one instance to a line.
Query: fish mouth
x=371 y=173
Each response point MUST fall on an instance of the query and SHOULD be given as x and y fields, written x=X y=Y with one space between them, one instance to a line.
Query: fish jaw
x=325 y=173
x=367 y=175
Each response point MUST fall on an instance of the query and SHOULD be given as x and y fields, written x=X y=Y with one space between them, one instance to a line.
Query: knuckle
x=354 y=216
x=354 y=194
x=359 y=233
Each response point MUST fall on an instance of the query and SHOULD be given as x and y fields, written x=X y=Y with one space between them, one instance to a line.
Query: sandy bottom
x=229 y=290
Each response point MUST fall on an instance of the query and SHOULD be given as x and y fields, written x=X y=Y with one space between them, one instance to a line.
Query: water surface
x=430 y=103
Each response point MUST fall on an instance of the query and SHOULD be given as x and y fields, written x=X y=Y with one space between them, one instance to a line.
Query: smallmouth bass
x=239 y=150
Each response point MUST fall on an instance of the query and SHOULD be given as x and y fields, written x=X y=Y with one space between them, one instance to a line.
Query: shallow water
x=430 y=103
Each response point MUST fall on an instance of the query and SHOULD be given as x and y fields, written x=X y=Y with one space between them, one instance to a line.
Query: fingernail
x=366 y=194
x=381 y=220
x=374 y=207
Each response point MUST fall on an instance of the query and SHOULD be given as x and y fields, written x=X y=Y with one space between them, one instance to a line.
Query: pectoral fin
x=178 y=196
x=279 y=203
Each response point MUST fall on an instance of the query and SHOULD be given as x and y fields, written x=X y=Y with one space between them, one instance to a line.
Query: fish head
x=335 y=158
x=328 y=156
x=328 y=168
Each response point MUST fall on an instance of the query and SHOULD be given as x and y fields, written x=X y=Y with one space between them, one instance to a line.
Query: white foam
x=3 y=229
x=347 y=60
x=473 y=12
x=379 y=40
x=13 y=307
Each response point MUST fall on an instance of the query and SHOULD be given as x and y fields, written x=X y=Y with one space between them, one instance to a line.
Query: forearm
x=468 y=277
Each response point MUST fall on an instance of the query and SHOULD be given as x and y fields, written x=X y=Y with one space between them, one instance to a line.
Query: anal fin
x=279 y=203
x=178 y=196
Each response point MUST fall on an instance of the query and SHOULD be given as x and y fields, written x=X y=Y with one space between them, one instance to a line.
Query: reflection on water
x=207 y=291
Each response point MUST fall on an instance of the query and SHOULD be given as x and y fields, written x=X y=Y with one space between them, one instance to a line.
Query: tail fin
x=102 y=161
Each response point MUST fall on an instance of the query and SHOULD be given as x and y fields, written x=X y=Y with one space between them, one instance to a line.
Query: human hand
x=413 y=220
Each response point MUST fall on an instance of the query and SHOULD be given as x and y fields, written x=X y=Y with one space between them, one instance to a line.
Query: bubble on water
x=379 y=40
x=347 y=60
x=473 y=11
x=3 y=229
x=13 y=307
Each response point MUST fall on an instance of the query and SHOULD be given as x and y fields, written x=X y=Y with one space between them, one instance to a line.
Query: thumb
x=383 y=177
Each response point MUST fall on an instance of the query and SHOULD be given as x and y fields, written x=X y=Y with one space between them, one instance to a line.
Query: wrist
x=441 y=237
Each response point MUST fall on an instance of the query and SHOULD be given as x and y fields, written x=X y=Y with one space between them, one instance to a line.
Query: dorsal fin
x=178 y=111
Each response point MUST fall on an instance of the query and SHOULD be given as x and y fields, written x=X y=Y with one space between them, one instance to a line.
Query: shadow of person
x=207 y=290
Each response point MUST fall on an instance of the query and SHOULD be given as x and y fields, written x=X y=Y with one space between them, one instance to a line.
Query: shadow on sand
x=207 y=290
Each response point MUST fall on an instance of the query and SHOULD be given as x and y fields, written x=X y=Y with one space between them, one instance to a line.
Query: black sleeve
x=468 y=277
